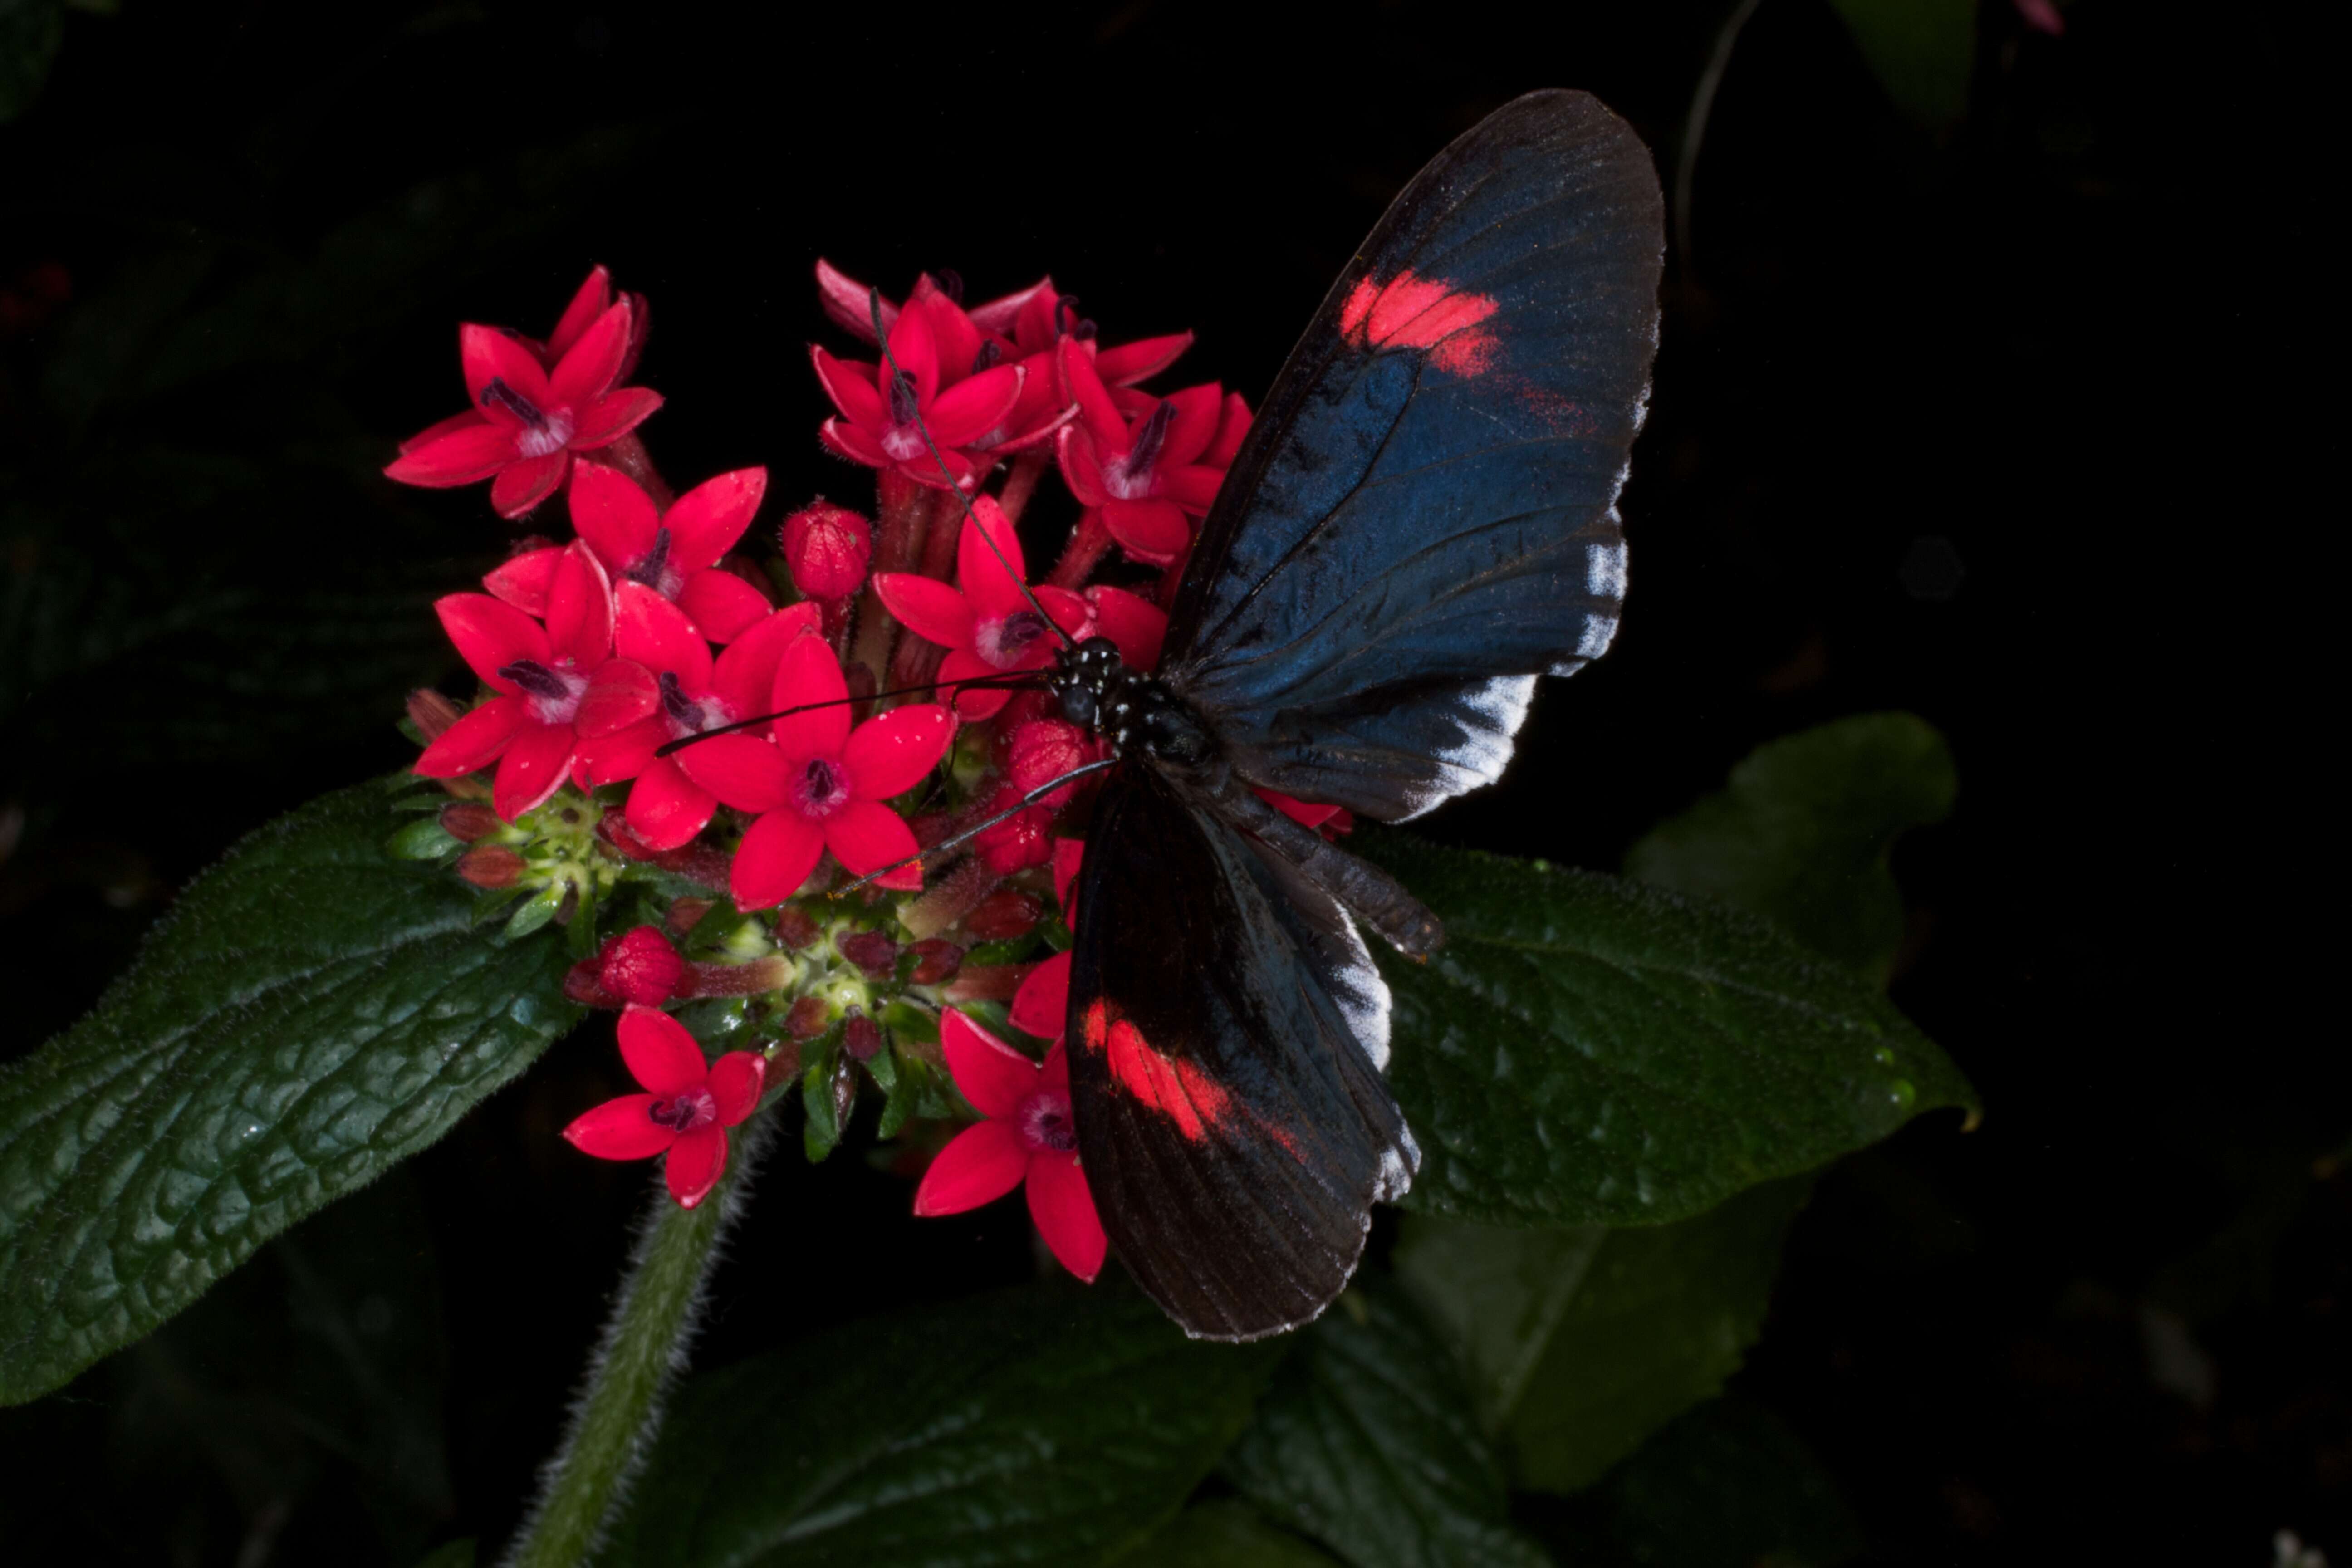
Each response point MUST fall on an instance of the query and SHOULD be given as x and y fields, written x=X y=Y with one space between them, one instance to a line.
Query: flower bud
x=871 y=951
x=809 y=1017
x=685 y=914
x=1042 y=751
x=796 y=928
x=1004 y=914
x=827 y=547
x=432 y=713
x=490 y=865
x=468 y=820
x=861 y=1037
x=1019 y=841
x=640 y=966
x=936 y=961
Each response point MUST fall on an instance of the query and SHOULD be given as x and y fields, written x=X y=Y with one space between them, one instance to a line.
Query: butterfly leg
x=1366 y=891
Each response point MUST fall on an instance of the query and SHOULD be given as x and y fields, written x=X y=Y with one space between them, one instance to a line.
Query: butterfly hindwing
x=1423 y=519
x=1232 y=1123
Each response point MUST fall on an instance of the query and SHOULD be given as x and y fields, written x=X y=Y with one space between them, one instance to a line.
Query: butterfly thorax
x=1135 y=713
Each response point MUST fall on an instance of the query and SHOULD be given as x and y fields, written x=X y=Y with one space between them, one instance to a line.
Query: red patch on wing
x=1409 y=313
x=1177 y=1089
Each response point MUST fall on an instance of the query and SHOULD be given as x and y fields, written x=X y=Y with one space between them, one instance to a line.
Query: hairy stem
x=643 y=1349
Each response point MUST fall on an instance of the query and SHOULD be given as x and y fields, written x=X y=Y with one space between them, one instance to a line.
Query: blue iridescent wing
x=1423 y=519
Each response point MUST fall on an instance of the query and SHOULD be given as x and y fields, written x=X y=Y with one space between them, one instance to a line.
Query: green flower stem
x=643 y=1349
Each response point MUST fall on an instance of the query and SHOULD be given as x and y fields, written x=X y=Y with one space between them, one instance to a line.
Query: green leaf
x=1055 y=1424
x=1366 y=1440
x=1581 y=1343
x=1225 y=1533
x=1801 y=832
x=1922 y=51
x=1585 y=1050
x=311 y=1011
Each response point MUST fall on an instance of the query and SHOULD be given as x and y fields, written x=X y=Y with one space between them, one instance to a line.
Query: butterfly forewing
x=1423 y=519
x=1232 y=1123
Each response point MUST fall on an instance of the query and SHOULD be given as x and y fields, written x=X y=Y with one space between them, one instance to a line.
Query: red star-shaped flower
x=884 y=415
x=675 y=553
x=985 y=623
x=818 y=785
x=526 y=420
x=1144 y=466
x=555 y=685
x=686 y=1111
x=1029 y=1136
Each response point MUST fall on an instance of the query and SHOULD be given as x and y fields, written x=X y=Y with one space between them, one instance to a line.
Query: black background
x=2008 y=425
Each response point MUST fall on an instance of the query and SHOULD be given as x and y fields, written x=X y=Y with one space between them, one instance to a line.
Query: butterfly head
x=1084 y=678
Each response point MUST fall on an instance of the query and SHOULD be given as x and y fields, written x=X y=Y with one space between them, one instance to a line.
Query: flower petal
x=1233 y=423
x=666 y=808
x=1083 y=385
x=991 y=578
x=809 y=673
x=589 y=367
x=777 y=856
x=613 y=415
x=1134 y=624
x=1069 y=853
x=621 y=692
x=624 y=753
x=1153 y=530
x=982 y=1164
x=721 y=604
x=955 y=340
x=916 y=354
x=475 y=741
x=531 y=768
x=1081 y=460
x=705 y=522
x=588 y=303
x=894 y=752
x=695 y=1162
x=746 y=676
x=621 y=1128
x=579 y=608
x=1192 y=426
x=1064 y=1210
x=736 y=1079
x=927 y=608
x=523 y=581
x=1002 y=314
x=991 y=1074
x=744 y=770
x=492 y=353
x=491 y=634
x=973 y=406
x=522 y=485
x=1041 y=1005
x=866 y=835
x=973 y=704
x=853 y=388
x=847 y=440
x=1193 y=487
x=661 y=1056
x=443 y=458
x=846 y=301
x=1068 y=610
x=656 y=633
x=471 y=419
x=1140 y=359
x=613 y=514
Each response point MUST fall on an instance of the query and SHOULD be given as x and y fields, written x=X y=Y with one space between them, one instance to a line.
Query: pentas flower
x=818 y=785
x=674 y=553
x=526 y=420
x=667 y=808
x=1135 y=626
x=1029 y=1136
x=884 y=414
x=687 y=1106
x=555 y=683
x=1018 y=842
x=1146 y=473
x=985 y=622
x=596 y=296
x=826 y=548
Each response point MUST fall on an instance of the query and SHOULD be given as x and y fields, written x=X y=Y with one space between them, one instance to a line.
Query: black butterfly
x=1421 y=523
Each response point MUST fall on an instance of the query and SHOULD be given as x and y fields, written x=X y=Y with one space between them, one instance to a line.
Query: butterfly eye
x=1078 y=706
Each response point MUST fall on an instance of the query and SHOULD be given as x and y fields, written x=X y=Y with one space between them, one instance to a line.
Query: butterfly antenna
x=874 y=308
x=976 y=829
x=969 y=682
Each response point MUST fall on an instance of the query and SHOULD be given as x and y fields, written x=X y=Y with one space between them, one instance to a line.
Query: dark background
x=2004 y=422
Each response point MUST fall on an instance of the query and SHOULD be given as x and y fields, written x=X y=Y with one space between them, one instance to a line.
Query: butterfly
x=1421 y=523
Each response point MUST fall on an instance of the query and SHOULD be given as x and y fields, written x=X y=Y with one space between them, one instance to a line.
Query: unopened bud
x=467 y=820
x=809 y=1017
x=796 y=928
x=871 y=951
x=1016 y=843
x=432 y=713
x=827 y=547
x=1004 y=914
x=861 y=1037
x=640 y=966
x=1042 y=751
x=490 y=865
x=685 y=914
x=936 y=961
x=773 y=973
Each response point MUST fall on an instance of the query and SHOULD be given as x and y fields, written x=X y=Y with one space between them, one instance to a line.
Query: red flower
x=687 y=1108
x=1146 y=471
x=526 y=420
x=555 y=685
x=1041 y=1005
x=987 y=628
x=666 y=808
x=1135 y=625
x=1029 y=1136
x=818 y=785
x=1042 y=751
x=589 y=302
x=880 y=410
x=1019 y=841
x=674 y=553
x=640 y=966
